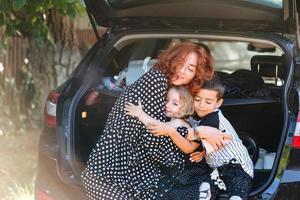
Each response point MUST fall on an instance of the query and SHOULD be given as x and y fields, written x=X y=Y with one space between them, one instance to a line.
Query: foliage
x=18 y=105
x=21 y=192
x=29 y=17
x=11 y=119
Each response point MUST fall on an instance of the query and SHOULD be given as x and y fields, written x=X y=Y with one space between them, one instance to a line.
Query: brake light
x=296 y=138
x=50 y=109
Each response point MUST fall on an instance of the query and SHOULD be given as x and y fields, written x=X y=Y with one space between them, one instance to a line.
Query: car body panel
x=243 y=15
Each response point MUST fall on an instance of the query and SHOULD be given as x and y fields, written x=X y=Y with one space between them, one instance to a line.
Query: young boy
x=232 y=164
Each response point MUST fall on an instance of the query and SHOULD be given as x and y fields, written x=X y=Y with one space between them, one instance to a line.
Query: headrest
x=268 y=66
x=136 y=68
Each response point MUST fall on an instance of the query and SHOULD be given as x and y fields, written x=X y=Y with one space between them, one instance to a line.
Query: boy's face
x=206 y=101
x=173 y=103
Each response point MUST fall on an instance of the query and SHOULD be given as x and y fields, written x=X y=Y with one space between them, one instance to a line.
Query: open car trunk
x=261 y=121
x=242 y=15
x=255 y=110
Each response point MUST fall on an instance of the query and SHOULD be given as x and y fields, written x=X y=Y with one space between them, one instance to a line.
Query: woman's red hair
x=170 y=60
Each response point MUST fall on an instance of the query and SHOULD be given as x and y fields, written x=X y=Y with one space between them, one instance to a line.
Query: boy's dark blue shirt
x=211 y=119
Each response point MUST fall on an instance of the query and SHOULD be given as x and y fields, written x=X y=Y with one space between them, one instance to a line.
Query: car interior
x=253 y=74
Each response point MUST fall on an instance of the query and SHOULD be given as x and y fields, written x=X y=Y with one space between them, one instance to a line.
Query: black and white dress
x=126 y=162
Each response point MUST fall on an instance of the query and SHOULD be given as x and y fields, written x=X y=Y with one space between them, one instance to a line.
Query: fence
x=13 y=59
x=14 y=56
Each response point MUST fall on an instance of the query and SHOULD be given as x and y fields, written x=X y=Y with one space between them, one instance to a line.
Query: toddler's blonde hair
x=186 y=101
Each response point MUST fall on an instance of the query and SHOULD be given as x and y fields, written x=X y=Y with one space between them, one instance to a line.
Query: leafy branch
x=28 y=18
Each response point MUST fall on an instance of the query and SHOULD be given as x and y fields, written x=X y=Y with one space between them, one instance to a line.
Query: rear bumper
x=290 y=191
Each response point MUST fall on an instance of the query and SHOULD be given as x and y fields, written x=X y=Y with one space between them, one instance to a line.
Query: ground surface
x=18 y=163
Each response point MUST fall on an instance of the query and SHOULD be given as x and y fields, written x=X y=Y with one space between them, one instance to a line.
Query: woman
x=126 y=162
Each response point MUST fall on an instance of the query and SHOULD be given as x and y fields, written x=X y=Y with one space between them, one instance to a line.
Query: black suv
x=254 y=43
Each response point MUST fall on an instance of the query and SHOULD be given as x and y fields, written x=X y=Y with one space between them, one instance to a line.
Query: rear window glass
x=230 y=56
x=268 y=3
x=133 y=60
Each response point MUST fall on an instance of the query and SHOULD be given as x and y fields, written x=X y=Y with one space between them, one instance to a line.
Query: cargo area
x=252 y=101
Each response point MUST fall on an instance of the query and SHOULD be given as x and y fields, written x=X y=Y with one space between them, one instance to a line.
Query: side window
x=249 y=69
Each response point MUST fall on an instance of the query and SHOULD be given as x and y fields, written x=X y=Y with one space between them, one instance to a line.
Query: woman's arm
x=137 y=111
x=197 y=156
x=151 y=89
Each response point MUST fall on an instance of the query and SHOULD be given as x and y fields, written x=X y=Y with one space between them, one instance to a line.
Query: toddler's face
x=173 y=103
x=206 y=101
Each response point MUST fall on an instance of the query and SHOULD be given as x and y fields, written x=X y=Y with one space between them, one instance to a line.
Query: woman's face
x=187 y=72
x=173 y=103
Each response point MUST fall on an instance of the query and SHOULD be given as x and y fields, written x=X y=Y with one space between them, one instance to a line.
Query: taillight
x=41 y=195
x=50 y=109
x=296 y=138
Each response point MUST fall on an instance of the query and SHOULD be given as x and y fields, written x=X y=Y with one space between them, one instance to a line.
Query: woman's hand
x=160 y=128
x=213 y=136
x=197 y=156
x=133 y=110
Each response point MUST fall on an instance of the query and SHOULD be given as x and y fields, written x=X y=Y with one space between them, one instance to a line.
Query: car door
x=243 y=15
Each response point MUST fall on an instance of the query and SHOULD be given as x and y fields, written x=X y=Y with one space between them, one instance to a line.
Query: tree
x=48 y=27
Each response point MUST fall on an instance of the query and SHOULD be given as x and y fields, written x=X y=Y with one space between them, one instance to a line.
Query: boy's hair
x=186 y=99
x=216 y=85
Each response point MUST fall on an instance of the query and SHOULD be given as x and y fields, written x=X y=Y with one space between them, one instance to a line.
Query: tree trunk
x=52 y=64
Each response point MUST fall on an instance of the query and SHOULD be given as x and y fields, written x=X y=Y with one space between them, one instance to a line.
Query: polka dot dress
x=125 y=164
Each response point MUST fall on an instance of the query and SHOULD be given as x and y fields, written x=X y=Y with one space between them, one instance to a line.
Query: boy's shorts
x=237 y=181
